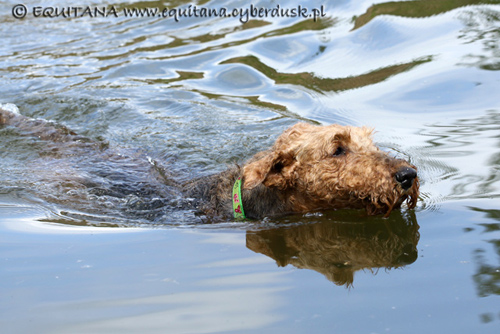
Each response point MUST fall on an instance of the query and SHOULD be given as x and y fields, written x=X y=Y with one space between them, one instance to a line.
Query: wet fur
x=302 y=172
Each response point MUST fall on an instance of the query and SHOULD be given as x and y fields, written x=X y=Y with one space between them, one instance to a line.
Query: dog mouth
x=399 y=196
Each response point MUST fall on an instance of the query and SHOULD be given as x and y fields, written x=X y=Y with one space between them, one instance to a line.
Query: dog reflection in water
x=338 y=250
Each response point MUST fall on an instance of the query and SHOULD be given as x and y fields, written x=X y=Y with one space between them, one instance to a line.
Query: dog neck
x=261 y=202
x=213 y=197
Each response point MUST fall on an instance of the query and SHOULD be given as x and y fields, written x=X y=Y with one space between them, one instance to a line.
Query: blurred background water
x=204 y=92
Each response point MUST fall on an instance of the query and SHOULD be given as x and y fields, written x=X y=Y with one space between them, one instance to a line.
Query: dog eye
x=340 y=151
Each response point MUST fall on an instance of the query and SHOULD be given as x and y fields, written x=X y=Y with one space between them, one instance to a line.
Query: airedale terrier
x=309 y=168
x=313 y=168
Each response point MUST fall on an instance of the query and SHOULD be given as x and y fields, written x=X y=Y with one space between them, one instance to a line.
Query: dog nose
x=405 y=177
x=408 y=256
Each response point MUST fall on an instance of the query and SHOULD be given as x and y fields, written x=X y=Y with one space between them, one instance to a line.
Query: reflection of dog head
x=338 y=250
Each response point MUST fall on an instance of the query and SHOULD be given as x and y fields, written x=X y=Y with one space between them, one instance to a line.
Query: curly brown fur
x=313 y=168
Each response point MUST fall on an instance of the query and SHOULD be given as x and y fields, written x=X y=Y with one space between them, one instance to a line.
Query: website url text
x=191 y=11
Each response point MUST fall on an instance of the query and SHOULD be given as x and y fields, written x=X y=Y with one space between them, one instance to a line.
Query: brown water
x=204 y=92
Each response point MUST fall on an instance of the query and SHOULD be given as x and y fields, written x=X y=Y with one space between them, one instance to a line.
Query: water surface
x=196 y=95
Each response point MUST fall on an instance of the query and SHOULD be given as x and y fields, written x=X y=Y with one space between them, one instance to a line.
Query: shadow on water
x=487 y=277
x=482 y=25
x=312 y=82
x=416 y=9
x=338 y=248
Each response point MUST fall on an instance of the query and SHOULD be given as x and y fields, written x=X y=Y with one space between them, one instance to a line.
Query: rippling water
x=196 y=95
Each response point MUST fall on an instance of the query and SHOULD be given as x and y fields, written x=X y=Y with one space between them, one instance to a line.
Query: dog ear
x=272 y=170
x=276 y=168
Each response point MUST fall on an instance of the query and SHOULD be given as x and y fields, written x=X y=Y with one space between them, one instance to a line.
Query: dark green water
x=205 y=92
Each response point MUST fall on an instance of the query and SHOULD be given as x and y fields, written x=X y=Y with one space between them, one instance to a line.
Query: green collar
x=237 y=201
